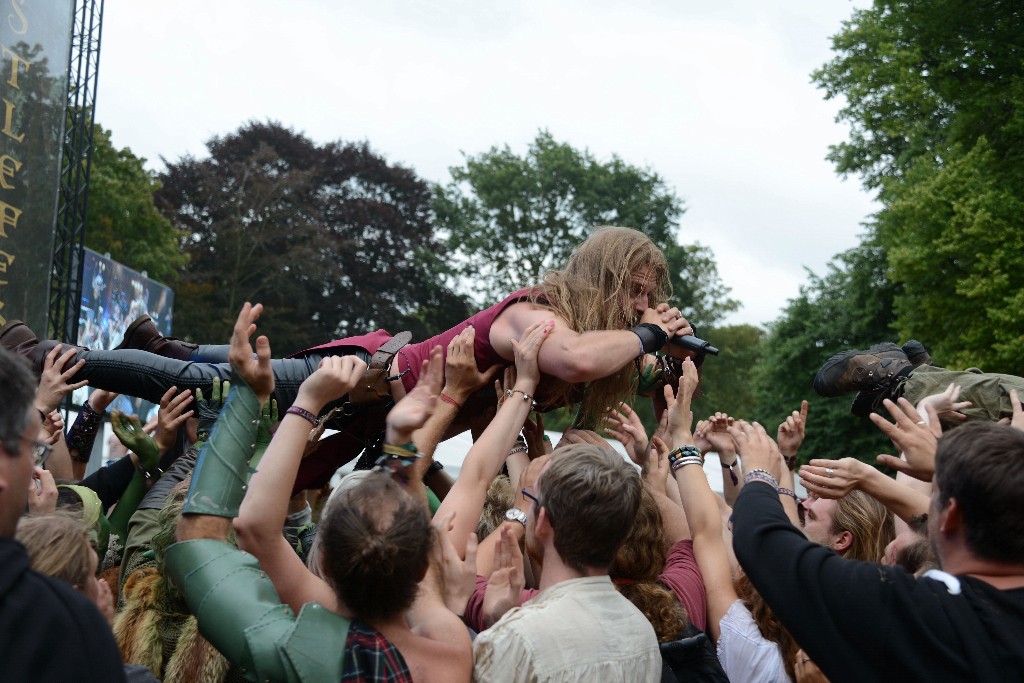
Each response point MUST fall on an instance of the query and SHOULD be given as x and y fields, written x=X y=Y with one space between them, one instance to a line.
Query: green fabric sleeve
x=222 y=469
x=240 y=613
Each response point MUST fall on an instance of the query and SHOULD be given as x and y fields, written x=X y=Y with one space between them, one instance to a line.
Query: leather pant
x=149 y=376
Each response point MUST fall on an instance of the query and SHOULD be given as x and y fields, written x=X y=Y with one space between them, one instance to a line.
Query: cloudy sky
x=715 y=97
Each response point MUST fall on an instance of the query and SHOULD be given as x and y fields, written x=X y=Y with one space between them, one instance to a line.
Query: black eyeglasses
x=532 y=497
x=40 y=451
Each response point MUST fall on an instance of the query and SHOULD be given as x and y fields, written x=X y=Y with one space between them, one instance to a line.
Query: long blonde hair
x=592 y=293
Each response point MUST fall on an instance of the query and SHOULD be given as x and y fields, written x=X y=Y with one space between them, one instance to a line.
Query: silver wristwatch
x=516 y=515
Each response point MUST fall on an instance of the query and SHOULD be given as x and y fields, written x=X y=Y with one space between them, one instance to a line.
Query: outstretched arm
x=483 y=462
x=263 y=511
x=581 y=357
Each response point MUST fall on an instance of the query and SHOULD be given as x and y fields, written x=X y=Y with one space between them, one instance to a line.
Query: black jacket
x=48 y=630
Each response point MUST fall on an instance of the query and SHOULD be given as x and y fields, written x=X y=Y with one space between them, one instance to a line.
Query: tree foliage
x=934 y=96
x=121 y=217
x=509 y=218
x=849 y=307
x=331 y=238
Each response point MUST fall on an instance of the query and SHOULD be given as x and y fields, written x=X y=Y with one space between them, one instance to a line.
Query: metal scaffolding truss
x=69 y=241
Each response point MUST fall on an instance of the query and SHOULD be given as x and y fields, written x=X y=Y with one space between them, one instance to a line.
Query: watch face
x=515 y=515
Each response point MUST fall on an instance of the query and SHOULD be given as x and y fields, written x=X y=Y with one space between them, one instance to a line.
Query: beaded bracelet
x=526 y=396
x=519 y=449
x=404 y=451
x=789 y=492
x=687 y=451
x=760 y=474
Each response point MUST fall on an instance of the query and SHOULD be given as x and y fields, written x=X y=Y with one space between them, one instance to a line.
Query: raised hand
x=657 y=470
x=171 y=416
x=42 y=492
x=458 y=575
x=461 y=375
x=53 y=383
x=537 y=441
x=624 y=426
x=129 y=431
x=253 y=369
x=757 y=448
x=412 y=412
x=52 y=429
x=208 y=410
x=832 y=478
x=947 y=405
x=505 y=586
x=791 y=434
x=576 y=436
x=680 y=417
x=916 y=438
x=526 y=351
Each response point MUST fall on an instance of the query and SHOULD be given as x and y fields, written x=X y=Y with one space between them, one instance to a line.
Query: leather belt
x=373 y=387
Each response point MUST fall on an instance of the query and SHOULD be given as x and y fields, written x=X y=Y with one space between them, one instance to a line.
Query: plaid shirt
x=371 y=658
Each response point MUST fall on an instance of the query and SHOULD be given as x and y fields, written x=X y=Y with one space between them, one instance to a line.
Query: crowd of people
x=213 y=552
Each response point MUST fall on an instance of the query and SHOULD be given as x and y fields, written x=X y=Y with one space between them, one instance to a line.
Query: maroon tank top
x=486 y=356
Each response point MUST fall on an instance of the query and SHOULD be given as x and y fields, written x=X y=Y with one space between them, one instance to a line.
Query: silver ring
x=828 y=471
x=922 y=423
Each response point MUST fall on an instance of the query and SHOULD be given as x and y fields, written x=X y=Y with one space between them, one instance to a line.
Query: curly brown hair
x=637 y=565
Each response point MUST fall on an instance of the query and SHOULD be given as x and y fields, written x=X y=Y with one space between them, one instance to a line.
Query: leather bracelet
x=732 y=472
x=450 y=401
x=651 y=336
x=303 y=413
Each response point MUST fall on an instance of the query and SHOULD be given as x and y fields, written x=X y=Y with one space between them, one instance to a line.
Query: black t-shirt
x=48 y=630
x=861 y=621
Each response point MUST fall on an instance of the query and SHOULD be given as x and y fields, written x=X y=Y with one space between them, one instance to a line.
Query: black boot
x=144 y=336
x=866 y=371
x=917 y=353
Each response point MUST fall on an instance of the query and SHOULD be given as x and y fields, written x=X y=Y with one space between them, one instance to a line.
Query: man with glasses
x=51 y=631
x=579 y=627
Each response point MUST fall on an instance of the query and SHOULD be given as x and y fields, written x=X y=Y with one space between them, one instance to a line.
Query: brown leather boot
x=866 y=371
x=17 y=337
x=144 y=336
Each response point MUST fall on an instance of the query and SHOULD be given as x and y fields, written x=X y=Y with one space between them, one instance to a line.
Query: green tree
x=121 y=217
x=509 y=218
x=849 y=307
x=934 y=96
x=332 y=239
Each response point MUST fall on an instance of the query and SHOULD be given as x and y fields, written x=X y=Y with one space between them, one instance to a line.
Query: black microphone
x=691 y=343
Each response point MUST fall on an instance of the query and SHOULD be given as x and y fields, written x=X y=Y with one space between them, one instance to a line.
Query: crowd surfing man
x=607 y=305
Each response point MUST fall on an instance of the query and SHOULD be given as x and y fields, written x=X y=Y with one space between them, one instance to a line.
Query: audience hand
x=657 y=471
x=42 y=493
x=254 y=369
x=756 y=448
x=461 y=375
x=52 y=429
x=847 y=475
x=537 y=441
x=624 y=426
x=1017 y=421
x=53 y=383
x=170 y=417
x=458 y=576
x=911 y=435
x=105 y=601
x=527 y=351
x=791 y=434
x=128 y=429
x=505 y=586
x=208 y=410
x=946 y=405
x=680 y=417
x=415 y=409
x=571 y=436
